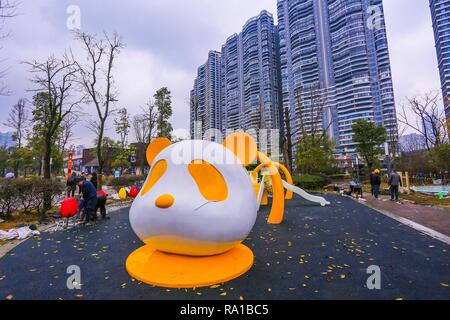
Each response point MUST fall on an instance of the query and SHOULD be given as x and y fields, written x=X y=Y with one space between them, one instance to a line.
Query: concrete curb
x=414 y=225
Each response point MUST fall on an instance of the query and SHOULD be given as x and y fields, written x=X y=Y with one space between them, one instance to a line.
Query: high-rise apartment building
x=205 y=96
x=232 y=84
x=335 y=67
x=260 y=76
x=440 y=11
x=324 y=66
x=248 y=95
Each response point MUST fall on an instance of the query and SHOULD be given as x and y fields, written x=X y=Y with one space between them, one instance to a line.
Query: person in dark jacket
x=90 y=198
x=375 y=182
x=71 y=185
x=394 y=183
x=101 y=204
x=94 y=180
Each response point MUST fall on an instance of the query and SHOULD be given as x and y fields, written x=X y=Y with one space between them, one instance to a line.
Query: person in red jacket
x=102 y=198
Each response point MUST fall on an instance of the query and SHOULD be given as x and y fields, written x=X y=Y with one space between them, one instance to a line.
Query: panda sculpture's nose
x=165 y=201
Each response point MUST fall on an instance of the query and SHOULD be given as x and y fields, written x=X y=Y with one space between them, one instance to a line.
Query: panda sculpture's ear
x=155 y=148
x=243 y=146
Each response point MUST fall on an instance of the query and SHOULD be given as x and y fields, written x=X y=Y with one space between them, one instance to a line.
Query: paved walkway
x=431 y=217
x=317 y=253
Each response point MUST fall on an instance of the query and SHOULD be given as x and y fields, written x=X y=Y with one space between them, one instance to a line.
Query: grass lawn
x=427 y=200
x=418 y=198
x=19 y=219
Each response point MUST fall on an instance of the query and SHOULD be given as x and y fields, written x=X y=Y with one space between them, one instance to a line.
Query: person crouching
x=102 y=197
x=90 y=200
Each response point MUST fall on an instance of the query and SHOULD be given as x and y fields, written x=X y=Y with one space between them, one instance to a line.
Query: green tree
x=315 y=156
x=440 y=157
x=163 y=103
x=108 y=150
x=122 y=124
x=122 y=159
x=5 y=155
x=27 y=159
x=369 y=137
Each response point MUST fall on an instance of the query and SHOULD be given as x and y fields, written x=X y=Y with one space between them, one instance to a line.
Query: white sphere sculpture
x=198 y=200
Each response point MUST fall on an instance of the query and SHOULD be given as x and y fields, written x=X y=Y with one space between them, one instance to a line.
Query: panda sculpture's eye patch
x=209 y=181
x=158 y=171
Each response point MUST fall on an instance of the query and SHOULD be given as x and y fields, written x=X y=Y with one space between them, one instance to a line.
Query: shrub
x=27 y=198
x=53 y=188
x=125 y=181
x=309 y=182
x=340 y=177
x=8 y=198
x=27 y=194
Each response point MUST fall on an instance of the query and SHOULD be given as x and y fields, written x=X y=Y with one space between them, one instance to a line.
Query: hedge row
x=340 y=177
x=309 y=182
x=125 y=181
x=27 y=195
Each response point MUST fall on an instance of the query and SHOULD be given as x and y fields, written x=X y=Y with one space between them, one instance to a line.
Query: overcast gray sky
x=168 y=39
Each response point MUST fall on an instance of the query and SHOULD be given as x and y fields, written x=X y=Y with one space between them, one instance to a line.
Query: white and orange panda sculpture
x=195 y=209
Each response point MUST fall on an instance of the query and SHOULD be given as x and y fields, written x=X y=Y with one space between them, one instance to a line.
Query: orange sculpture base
x=176 y=271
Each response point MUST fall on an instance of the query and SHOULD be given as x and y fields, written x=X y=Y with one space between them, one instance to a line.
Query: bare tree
x=140 y=129
x=56 y=98
x=141 y=132
x=411 y=144
x=66 y=135
x=150 y=115
x=96 y=77
x=312 y=130
x=424 y=115
x=18 y=121
x=8 y=9
x=145 y=128
x=311 y=114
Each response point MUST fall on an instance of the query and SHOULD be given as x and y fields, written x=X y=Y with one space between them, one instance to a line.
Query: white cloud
x=139 y=74
x=412 y=47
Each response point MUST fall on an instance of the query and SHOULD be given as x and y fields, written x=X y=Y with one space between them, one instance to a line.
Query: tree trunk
x=16 y=167
x=47 y=173
x=288 y=146
x=100 y=158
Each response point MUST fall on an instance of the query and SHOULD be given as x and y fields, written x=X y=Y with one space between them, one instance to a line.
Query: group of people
x=394 y=184
x=92 y=200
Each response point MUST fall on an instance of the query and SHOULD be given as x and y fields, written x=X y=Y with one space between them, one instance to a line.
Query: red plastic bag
x=134 y=192
x=69 y=208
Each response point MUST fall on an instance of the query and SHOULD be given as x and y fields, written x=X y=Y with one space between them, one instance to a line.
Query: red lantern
x=102 y=193
x=69 y=208
x=134 y=192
